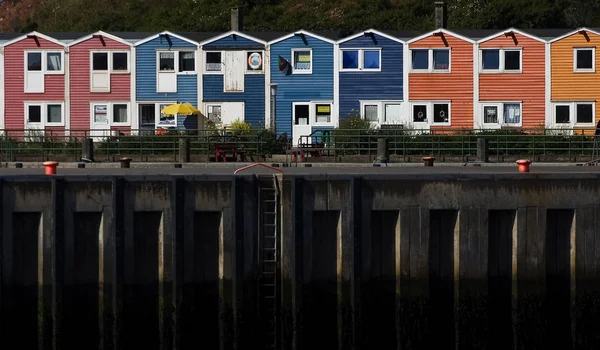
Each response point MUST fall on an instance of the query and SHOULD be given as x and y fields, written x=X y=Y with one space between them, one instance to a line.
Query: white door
x=392 y=113
x=232 y=111
x=34 y=78
x=100 y=124
x=235 y=70
x=167 y=78
x=100 y=73
x=302 y=123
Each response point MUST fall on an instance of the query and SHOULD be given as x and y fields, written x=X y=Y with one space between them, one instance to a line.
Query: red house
x=101 y=81
x=35 y=85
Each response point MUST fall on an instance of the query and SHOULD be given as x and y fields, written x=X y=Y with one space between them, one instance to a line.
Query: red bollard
x=523 y=165
x=428 y=161
x=50 y=167
x=125 y=162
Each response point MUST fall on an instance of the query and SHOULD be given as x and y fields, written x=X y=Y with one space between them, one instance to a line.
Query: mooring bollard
x=428 y=161
x=50 y=167
x=19 y=165
x=125 y=162
x=177 y=165
x=523 y=165
x=81 y=165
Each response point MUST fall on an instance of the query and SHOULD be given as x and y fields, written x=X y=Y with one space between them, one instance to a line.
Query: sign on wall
x=255 y=61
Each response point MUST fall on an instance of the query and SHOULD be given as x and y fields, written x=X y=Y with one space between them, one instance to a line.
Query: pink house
x=35 y=85
x=101 y=81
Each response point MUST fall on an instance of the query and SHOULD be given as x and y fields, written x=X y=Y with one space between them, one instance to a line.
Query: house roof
x=330 y=37
x=4 y=37
x=575 y=31
x=548 y=33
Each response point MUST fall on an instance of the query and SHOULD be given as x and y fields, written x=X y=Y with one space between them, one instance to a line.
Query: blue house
x=372 y=76
x=304 y=67
x=233 y=79
x=166 y=73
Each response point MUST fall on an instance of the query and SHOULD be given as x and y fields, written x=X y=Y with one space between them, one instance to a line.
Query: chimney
x=236 y=19
x=440 y=14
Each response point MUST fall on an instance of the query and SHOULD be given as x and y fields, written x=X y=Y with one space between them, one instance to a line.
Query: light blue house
x=304 y=67
x=233 y=79
x=372 y=79
x=166 y=73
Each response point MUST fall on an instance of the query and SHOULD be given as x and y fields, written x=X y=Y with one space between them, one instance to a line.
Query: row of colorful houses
x=441 y=79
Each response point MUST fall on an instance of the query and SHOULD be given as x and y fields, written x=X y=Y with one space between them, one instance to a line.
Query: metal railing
x=561 y=144
x=404 y=144
x=25 y=145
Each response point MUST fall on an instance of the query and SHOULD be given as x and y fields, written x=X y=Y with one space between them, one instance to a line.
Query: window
x=584 y=60
x=302 y=61
x=54 y=114
x=301 y=114
x=419 y=113
x=575 y=113
x=45 y=62
x=119 y=113
x=441 y=113
x=361 y=60
x=110 y=113
x=100 y=61
x=34 y=114
x=501 y=60
x=370 y=113
x=214 y=114
x=213 y=62
x=53 y=62
x=120 y=62
x=490 y=114
x=512 y=113
x=431 y=60
x=255 y=61
x=34 y=61
x=166 y=62
x=392 y=112
x=187 y=61
x=322 y=113
x=563 y=114
x=44 y=114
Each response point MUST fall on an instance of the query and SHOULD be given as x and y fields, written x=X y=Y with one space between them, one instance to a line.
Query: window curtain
x=512 y=114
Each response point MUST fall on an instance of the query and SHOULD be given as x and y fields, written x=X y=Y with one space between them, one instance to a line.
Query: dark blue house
x=233 y=79
x=304 y=67
x=373 y=76
x=166 y=73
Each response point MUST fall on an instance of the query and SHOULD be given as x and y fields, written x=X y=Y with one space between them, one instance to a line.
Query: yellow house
x=575 y=80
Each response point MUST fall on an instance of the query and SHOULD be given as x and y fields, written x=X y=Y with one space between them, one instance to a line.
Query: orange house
x=440 y=81
x=510 y=82
x=575 y=80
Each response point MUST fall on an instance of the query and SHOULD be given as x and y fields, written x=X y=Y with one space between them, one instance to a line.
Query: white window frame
x=176 y=63
x=361 y=60
x=262 y=55
x=111 y=60
x=302 y=71
x=313 y=113
x=363 y=104
x=44 y=55
x=212 y=104
x=500 y=115
x=109 y=112
x=430 y=68
x=44 y=113
x=501 y=61
x=573 y=113
x=584 y=70
x=429 y=110
x=205 y=62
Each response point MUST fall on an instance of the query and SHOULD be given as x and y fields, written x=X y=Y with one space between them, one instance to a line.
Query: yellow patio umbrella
x=180 y=109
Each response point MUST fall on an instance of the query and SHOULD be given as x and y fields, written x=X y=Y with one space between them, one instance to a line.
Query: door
x=167 y=78
x=35 y=124
x=235 y=70
x=302 y=124
x=34 y=78
x=100 y=121
x=147 y=118
x=100 y=73
x=232 y=111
